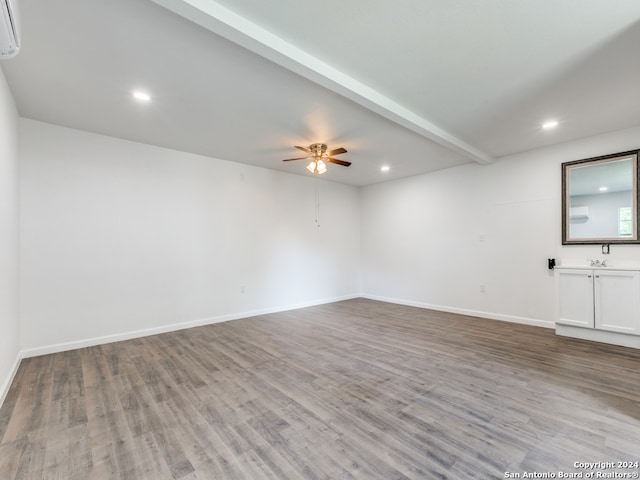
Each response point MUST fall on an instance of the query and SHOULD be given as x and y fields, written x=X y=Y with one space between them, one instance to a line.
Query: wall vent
x=9 y=29
x=579 y=213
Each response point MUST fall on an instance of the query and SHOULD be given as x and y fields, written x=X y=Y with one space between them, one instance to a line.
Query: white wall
x=433 y=240
x=120 y=238
x=9 y=236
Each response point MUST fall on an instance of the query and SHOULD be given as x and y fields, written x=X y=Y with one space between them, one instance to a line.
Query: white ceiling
x=419 y=85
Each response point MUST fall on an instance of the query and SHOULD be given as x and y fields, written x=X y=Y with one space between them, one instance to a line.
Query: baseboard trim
x=4 y=390
x=462 y=311
x=91 y=342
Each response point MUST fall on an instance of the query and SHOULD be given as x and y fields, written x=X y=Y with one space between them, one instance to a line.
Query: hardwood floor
x=354 y=389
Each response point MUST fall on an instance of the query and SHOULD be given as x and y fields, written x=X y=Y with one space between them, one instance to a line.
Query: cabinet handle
x=588 y=276
x=597 y=276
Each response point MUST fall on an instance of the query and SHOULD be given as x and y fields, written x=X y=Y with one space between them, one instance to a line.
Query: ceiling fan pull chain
x=317 y=203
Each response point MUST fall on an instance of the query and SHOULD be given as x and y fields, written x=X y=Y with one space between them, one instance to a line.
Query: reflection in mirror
x=600 y=200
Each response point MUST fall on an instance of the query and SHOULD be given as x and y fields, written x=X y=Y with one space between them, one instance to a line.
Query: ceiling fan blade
x=291 y=159
x=304 y=149
x=337 y=151
x=339 y=162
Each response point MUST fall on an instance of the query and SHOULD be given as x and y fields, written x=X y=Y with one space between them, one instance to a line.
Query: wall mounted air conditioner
x=9 y=29
x=579 y=213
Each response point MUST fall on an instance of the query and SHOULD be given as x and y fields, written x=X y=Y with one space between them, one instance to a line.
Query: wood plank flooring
x=352 y=390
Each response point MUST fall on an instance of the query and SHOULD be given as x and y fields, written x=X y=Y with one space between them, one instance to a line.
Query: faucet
x=597 y=263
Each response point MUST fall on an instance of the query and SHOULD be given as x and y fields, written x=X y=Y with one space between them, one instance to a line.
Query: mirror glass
x=600 y=198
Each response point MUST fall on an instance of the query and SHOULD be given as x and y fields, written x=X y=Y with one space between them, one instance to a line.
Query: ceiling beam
x=228 y=24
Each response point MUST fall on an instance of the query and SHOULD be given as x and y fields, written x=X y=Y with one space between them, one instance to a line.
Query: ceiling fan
x=319 y=156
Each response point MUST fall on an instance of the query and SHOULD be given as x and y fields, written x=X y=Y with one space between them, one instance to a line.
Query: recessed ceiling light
x=604 y=189
x=550 y=124
x=141 y=96
x=385 y=168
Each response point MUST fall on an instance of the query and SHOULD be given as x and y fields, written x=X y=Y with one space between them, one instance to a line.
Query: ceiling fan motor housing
x=318 y=149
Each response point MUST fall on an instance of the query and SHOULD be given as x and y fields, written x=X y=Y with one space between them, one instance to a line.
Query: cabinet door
x=575 y=297
x=617 y=301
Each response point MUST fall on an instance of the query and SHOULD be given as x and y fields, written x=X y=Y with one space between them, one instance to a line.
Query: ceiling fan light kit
x=319 y=157
x=317 y=166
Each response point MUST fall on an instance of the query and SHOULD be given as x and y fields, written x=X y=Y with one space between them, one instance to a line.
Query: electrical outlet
x=241 y=288
x=483 y=289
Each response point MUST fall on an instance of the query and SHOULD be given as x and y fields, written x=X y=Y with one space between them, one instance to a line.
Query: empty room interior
x=319 y=240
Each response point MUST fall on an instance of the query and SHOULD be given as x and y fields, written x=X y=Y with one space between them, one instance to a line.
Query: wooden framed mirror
x=600 y=200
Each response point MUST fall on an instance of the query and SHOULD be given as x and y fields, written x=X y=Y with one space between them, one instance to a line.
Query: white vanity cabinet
x=617 y=300
x=601 y=304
